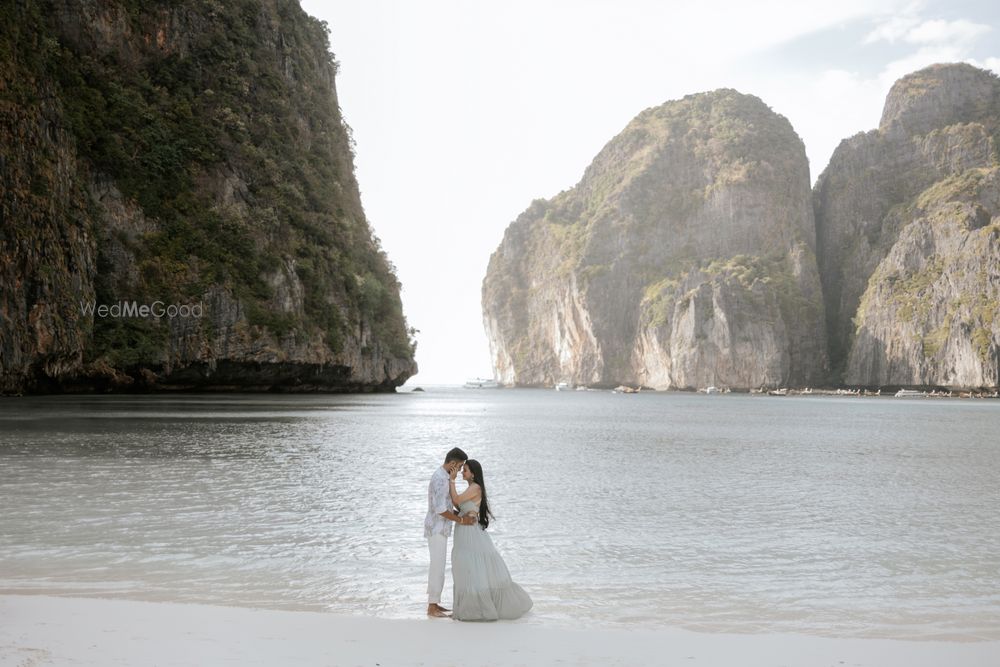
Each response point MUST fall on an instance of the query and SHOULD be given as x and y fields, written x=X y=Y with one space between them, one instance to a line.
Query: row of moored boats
x=489 y=383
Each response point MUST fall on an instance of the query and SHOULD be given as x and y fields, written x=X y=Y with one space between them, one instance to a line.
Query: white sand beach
x=43 y=630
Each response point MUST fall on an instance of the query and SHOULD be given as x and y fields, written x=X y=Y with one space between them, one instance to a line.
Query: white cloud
x=987 y=63
x=841 y=102
x=892 y=30
x=940 y=31
x=910 y=28
x=936 y=41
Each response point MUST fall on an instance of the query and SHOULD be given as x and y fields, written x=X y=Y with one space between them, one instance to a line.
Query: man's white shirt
x=438 y=500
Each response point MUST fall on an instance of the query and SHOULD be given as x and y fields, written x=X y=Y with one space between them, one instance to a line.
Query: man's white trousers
x=438 y=545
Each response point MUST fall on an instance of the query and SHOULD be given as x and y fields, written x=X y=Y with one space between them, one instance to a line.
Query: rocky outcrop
x=683 y=258
x=931 y=313
x=906 y=237
x=184 y=154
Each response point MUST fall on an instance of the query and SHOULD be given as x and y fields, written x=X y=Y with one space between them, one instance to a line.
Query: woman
x=483 y=588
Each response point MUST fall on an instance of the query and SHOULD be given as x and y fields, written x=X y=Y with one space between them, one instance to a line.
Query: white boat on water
x=904 y=393
x=711 y=390
x=481 y=383
x=563 y=386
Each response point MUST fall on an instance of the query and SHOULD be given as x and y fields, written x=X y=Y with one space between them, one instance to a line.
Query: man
x=437 y=526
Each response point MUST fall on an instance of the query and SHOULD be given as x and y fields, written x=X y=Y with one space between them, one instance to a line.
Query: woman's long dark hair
x=484 y=507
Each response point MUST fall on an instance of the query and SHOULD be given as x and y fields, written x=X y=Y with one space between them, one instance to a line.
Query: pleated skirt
x=483 y=589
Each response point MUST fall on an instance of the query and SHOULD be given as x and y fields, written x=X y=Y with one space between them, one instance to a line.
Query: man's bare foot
x=437 y=611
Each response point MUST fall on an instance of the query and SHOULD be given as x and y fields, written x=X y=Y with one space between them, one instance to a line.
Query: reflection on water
x=834 y=516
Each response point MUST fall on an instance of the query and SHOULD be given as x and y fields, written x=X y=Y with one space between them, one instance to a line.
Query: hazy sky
x=465 y=111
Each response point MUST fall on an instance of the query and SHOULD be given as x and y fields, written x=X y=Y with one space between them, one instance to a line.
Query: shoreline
x=919 y=391
x=855 y=392
x=47 y=630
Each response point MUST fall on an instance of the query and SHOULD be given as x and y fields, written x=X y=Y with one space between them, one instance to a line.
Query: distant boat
x=563 y=386
x=904 y=393
x=778 y=392
x=711 y=390
x=482 y=383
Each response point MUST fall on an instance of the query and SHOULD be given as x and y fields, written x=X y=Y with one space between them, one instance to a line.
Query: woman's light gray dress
x=483 y=587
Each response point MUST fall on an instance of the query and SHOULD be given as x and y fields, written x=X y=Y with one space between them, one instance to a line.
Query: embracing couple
x=483 y=590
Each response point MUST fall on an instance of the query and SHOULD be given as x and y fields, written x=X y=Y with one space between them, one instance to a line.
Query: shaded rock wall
x=187 y=153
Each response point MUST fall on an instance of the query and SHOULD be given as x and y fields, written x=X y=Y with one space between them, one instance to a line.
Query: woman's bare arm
x=471 y=493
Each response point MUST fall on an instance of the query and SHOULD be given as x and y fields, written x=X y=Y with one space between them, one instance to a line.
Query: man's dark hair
x=456 y=455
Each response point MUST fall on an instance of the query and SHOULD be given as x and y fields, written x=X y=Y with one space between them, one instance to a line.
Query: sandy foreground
x=42 y=630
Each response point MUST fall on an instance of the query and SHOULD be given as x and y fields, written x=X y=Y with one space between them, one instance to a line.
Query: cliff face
x=188 y=154
x=907 y=230
x=683 y=258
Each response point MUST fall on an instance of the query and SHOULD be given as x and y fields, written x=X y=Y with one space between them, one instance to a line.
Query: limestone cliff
x=907 y=230
x=683 y=258
x=184 y=153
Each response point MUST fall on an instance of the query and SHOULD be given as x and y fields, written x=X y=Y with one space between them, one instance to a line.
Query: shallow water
x=820 y=515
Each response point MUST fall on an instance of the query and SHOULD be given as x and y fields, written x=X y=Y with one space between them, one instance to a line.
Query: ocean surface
x=831 y=516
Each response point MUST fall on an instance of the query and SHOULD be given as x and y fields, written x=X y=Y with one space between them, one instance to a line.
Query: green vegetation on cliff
x=219 y=121
x=772 y=273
